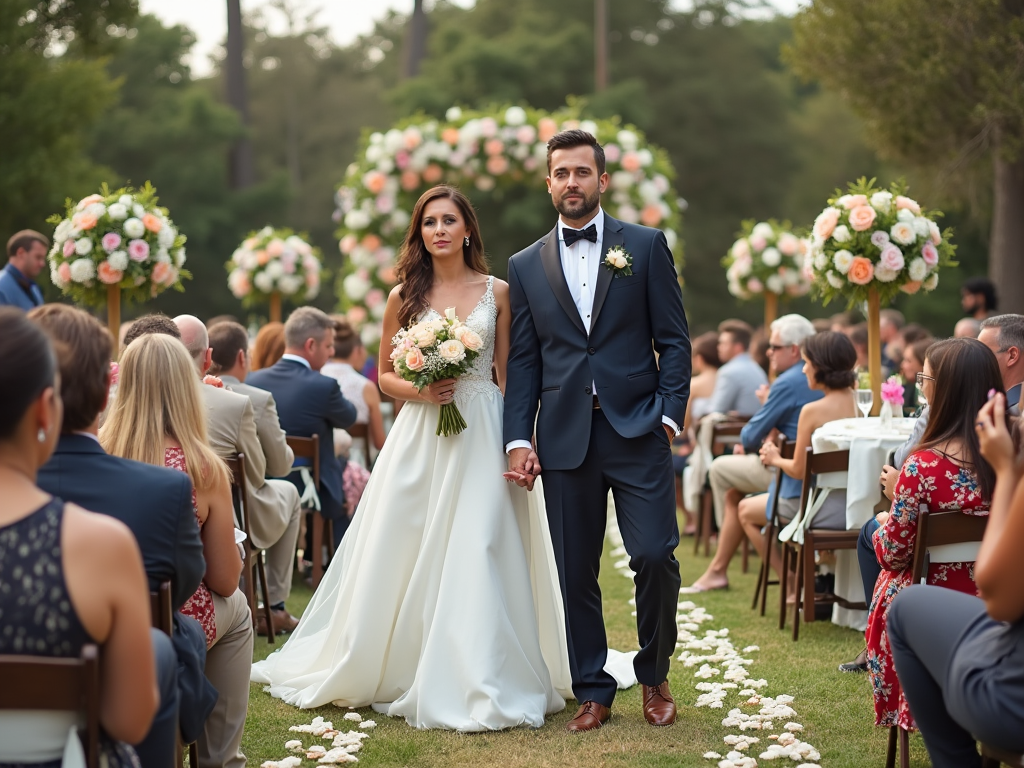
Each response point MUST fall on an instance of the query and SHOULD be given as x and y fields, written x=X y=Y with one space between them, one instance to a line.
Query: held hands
x=769 y=454
x=888 y=480
x=440 y=392
x=524 y=468
x=993 y=436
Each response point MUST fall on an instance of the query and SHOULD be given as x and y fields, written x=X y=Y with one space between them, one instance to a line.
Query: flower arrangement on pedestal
x=274 y=262
x=767 y=257
x=488 y=150
x=874 y=239
x=116 y=240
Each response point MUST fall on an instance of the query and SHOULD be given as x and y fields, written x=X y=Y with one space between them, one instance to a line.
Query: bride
x=442 y=605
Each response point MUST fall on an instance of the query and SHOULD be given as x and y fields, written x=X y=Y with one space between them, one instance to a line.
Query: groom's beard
x=574 y=211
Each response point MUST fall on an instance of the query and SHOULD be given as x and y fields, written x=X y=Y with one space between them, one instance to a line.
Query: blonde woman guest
x=349 y=358
x=67 y=577
x=159 y=419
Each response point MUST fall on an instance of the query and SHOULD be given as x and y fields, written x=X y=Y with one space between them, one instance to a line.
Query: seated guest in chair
x=739 y=377
x=273 y=504
x=159 y=418
x=945 y=471
x=310 y=403
x=733 y=477
x=68 y=577
x=165 y=529
x=960 y=658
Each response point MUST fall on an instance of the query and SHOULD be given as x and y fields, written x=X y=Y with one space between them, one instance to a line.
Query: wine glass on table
x=865 y=399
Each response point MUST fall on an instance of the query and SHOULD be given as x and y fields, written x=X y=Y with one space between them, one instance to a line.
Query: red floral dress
x=932 y=479
x=200 y=605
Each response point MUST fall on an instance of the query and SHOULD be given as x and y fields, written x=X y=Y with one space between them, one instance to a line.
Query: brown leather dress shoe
x=283 y=622
x=659 y=706
x=589 y=717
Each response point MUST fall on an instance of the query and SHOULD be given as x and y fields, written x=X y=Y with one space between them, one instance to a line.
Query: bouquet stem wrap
x=450 y=421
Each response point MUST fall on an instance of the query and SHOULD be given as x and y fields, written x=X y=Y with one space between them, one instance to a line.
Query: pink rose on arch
x=612 y=153
x=402 y=160
x=374 y=297
x=69 y=248
x=758 y=243
x=754 y=285
x=789 y=244
x=414 y=360
x=64 y=270
x=631 y=162
x=138 y=250
x=862 y=217
x=826 y=223
x=110 y=241
x=880 y=238
x=892 y=258
x=908 y=204
x=929 y=254
x=854 y=201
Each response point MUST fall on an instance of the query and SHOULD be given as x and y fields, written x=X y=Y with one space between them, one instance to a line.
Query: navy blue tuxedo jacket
x=554 y=362
x=309 y=403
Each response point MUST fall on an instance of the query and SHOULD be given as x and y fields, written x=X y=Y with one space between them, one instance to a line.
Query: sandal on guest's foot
x=696 y=589
x=860 y=664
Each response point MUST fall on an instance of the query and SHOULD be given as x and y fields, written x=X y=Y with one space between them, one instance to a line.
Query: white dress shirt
x=297 y=359
x=580 y=264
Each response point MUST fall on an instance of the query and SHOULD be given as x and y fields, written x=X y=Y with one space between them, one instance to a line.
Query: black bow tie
x=572 y=235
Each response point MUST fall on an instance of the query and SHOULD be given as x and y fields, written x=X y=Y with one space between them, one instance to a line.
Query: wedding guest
x=759 y=345
x=829 y=360
x=913 y=332
x=960 y=659
x=946 y=470
x=821 y=324
x=966 y=328
x=218 y=319
x=733 y=477
x=26 y=257
x=68 y=577
x=349 y=358
x=159 y=419
x=269 y=346
x=705 y=367
x=310 y=403
x=890 y=323
x=738 y=378
x=858 y=334
x=274 y=504
x=165 y=529
x=153 y=323
x=1004 y=335
x=841 y=322
x=978 y=298
x=911 y=365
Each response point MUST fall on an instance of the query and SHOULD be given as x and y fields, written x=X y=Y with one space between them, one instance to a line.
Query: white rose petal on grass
x=712 y=756
x=355 y=717
x=793 y=727
x=368 y=724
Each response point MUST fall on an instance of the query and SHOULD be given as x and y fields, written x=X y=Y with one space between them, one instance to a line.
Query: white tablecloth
x=869 y=448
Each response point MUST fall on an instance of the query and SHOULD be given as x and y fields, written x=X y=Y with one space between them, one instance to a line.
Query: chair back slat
x=937 y=529
x=818 y=464
x=239 y=492
x=161 y=609
x=56 y=685
x=307 y=448
x=724 y=435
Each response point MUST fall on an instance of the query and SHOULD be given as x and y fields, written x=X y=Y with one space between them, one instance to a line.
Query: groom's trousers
x=638 y=471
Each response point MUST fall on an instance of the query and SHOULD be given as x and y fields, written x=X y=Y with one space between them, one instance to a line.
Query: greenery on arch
x=486 y=153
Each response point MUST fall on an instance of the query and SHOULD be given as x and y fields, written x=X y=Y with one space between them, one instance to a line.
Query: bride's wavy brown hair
x=415 y=268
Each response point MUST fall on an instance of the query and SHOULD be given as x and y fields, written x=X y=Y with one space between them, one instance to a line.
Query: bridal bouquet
x=117 y=239
x=766 y=257
x=274 y=260
x=434 y=350
x=873 y=239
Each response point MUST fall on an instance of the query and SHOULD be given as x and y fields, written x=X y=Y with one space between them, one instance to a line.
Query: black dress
x=36 y=614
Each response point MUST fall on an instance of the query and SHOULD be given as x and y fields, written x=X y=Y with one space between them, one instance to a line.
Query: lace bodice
x=484 y=320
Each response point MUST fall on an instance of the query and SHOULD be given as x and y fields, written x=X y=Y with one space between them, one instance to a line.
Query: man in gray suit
x=739 y=378
x=274 y=503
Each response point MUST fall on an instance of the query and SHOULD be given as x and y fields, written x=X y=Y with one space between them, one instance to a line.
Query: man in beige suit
x=274 y=503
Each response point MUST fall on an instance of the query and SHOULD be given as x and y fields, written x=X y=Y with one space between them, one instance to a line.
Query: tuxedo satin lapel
x=612 y=238
x=552 y=262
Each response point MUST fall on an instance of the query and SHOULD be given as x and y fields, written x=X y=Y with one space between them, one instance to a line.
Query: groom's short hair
x=577 y=138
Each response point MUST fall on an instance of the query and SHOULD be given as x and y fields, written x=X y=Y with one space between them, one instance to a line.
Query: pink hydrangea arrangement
x=274 y=260
x=877 y=239
x=767 y=256
x=892 y=391
x=118 y=239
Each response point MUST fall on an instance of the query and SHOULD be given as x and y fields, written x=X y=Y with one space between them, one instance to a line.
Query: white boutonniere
x=619 y=261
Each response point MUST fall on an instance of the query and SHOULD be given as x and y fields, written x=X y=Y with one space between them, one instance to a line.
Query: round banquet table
x=869 y=446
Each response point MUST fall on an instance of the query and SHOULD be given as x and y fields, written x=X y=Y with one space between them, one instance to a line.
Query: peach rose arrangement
x=274 y=260
x=489 y=153
x=116 y=239
x=767 y=256
x=880 y=239
x=433 y=350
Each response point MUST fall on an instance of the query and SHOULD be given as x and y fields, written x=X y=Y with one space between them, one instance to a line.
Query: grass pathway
x=835 y=709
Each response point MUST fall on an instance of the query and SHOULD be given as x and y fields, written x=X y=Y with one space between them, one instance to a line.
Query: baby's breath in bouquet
x=434 y=350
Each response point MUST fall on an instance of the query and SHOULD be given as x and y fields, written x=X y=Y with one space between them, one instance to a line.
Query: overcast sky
x=346 y=19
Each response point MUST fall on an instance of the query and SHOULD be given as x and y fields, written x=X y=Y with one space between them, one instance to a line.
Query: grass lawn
x=834 y=708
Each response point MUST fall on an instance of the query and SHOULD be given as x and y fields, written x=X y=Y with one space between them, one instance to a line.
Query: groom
x=601 y=344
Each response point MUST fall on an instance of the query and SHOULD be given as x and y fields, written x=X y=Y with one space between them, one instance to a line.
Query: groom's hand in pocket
x=670 y=432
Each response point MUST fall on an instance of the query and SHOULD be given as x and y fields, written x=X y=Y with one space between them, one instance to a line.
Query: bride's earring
x=41 y=435
x=467 y=241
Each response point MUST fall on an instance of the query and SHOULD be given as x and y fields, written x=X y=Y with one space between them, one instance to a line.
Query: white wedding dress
x=442 y=604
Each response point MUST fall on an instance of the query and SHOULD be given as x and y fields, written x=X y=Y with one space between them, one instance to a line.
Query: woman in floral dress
x=946 y=471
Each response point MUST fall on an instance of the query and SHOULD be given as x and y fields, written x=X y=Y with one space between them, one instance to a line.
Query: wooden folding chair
x=162 y=614
x=323 y=528
x=57 y=685
x=815 y=539
x=724 y=436
x=939 y=529
x=361 y=433
x=771 y=531
x=252 y=558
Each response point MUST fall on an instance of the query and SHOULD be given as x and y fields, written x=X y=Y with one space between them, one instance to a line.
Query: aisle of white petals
x=342 y=749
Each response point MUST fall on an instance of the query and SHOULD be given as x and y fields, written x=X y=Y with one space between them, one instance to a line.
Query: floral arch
x=478 y=151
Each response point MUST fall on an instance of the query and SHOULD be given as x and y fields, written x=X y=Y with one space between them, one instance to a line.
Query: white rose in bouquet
x=841 y=234
x=842 y=261
x=264 y=282
x=775 y=284
x=83 y=247
x=451 y=351
x=166 y=236
x=82 y=270
x=117 y=211
x=771 y=258
x=119 y=260
x=134 y=227
x=763 y=229
x=881 y=201
x=918 y=269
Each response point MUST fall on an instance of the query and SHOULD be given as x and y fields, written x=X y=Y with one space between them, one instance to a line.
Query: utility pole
x=242 y=165
x=600 y=45
x=416 y=40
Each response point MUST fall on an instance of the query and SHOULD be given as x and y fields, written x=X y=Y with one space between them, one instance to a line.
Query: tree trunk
x=600 y=45
x=1006 y=251
x=242 y=163
x=416 y=42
